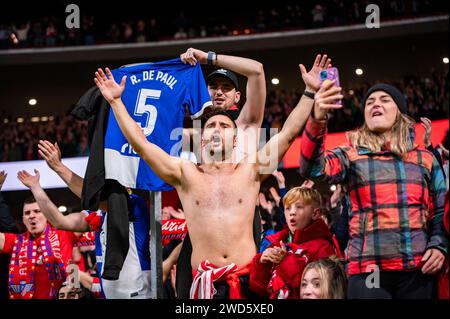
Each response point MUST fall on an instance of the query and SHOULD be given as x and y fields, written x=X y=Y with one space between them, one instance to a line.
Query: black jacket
x=94 y=108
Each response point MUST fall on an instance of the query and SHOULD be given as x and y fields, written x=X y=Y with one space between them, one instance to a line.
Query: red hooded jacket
x=311 y=243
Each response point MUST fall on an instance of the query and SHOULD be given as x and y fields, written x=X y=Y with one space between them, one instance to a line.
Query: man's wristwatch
x=309 y=94
x=212 y=56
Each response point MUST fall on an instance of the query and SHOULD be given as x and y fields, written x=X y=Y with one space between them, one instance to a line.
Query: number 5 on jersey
x=148 y=122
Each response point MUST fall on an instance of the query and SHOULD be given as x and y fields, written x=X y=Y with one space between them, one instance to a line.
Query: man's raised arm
x=167 y=167
x=72 y=222
x=252 y=112
x=271 y=154
x=52 y=155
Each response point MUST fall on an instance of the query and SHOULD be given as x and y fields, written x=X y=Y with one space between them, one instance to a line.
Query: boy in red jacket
x=278 y=270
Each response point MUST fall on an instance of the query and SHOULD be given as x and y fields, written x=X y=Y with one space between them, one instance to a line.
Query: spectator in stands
x=427 y=126
x=318 y=16
x=382 y=152
x=14 y=152
x=339 y=211
x=83 y=146
x=5 y=36
x=203 y=32
x=260 y=23
x=127 y=32
x=37 y=34
x=165 y=213
x=39 y=272
x=153 y=30
x=51 y=35
x=266 y=227
x=68 y=145
x=278 y=209
x=278 y=270
x=18 y=140
x=192 y=33
x=22 y=32
x=134 y=281
x=417 y=91
x=88 y=30
x=114 y=33
x=277 y=17
x=324 y=279
x=66 y=292
x=73 y=37
x=140 y=31
x=180 y=34
x=355 y=13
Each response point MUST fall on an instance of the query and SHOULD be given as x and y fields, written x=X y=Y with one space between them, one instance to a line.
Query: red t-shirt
x=41 y=280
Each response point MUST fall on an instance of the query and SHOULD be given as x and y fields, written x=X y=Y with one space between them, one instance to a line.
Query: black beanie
x=395 y=93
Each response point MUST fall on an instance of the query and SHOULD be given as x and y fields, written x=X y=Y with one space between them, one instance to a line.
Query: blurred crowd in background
x=427 y=97
x=50 y=31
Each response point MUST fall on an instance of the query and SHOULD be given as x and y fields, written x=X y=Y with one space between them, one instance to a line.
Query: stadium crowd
x=19 y=140
x=426 y=97
x=50 y=31
x=388 y=211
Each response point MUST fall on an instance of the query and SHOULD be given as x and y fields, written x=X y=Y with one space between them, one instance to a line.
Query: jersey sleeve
x=9 y=243
x=197 y=95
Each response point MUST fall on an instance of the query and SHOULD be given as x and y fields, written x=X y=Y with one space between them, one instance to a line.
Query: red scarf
x=23 y=263
x=202 y=284
x=86 y=239
x=278 y=286
x=94 y=219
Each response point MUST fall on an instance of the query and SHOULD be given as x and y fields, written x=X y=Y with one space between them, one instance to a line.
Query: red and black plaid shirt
x=397 y=203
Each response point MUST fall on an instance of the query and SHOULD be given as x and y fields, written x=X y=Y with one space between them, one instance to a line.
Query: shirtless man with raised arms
x=217 y=191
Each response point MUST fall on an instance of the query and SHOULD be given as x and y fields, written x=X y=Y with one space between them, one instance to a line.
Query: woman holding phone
x=397 y=190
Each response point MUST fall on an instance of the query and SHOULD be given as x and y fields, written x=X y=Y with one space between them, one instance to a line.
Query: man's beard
x=215 y=154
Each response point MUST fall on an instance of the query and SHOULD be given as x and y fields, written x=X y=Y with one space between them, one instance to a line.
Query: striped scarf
x=23 y=263
x=203 y=282
x=278 y=286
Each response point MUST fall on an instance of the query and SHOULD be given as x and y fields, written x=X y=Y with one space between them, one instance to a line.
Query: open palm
x=312 y=78
x=27 y=179
x=108 y=87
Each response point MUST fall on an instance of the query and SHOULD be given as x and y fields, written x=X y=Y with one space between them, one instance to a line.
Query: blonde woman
x=397 y=194
x=323 y=279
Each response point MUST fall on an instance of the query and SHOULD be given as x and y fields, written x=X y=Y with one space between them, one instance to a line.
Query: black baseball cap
x=225 y=74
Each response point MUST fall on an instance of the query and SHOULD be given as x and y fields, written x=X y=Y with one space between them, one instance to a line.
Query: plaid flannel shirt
x=397 y=203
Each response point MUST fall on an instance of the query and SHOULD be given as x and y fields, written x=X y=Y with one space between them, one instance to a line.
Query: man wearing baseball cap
x=223 y=86
x=223 y=81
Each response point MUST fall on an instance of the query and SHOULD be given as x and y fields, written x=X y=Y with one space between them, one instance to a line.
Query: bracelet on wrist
x=212 y=57
x=309 y=94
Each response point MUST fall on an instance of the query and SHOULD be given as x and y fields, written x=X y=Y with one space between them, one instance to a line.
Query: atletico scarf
x=86 y=239
x=23 y=264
